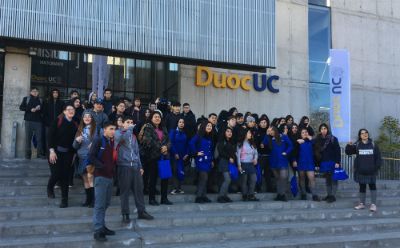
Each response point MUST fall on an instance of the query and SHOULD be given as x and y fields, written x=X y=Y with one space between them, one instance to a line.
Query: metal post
x=14 y=140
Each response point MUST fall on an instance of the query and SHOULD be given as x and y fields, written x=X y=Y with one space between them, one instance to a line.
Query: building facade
x=280 y=66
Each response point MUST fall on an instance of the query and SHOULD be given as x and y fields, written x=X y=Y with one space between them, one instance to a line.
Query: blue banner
x=340 y=94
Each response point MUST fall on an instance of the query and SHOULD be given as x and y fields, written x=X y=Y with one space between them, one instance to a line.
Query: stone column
x=17 y=78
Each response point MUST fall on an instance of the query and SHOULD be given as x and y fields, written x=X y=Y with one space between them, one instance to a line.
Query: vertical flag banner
x=340 y=92
x=100 y=73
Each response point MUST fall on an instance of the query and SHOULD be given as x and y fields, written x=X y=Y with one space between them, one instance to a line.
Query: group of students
x=127 y=144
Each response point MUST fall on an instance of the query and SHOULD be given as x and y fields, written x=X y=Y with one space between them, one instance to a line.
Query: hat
x=98 y=101
x=250 y=119
x=87 y=112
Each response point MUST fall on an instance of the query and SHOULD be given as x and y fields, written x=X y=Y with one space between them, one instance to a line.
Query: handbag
x=340 y=175
x=259 y=174
x=233 y=171
x=294 y=186
x=180 y=170
x=164 y=168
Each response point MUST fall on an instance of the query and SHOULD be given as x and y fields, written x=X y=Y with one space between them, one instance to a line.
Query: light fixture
x=32 y=51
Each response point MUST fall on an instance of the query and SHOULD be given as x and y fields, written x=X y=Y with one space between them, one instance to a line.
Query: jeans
x=225 y=185
x=31 y=128
x=102 y=195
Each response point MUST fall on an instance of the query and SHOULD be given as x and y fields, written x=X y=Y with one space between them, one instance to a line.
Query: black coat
x=52 y=109
x=27 y=106
x=171 y=121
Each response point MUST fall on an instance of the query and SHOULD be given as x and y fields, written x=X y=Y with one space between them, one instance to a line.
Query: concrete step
x=77 y=199
x=356 y=240
x=39 y=212
x=270 y=231
x=81 y=239
x=174 y=227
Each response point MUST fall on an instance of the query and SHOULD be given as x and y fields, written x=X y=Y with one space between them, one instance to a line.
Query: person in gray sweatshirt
x=247 y=157
x=130 y=170
x=84 y=137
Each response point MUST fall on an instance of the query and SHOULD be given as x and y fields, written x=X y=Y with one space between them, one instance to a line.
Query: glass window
x=1 y=86
x=319 y=37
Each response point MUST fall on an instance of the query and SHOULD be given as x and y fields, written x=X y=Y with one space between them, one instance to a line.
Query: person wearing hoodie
x=89 y=104
x=202 y=148
x=328 y=157
x=98 y=114
x=366 y=166
x=52 y=108
x=83 y=140
x=179 y=154
x=190 y=120
x=304 y=163
x=171 y=119
x=32 y=106
x=280 y=146
x=227 y=155
x=247 y=159
x=130 y=171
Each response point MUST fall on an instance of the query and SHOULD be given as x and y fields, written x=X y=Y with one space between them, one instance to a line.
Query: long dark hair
x=326 y=126
x=302 y=120
x=243 y=135
x=277 y=137
x=151 y=119
x=359 y=133
x=202 y=130
x=82 y=126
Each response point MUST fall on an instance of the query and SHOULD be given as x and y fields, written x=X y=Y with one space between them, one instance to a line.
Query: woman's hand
x=79 y=139
x=300 y=141
x=164 y=149
x=255 y=161
x=201 y=153
x=53 y=157
x=176 y=156
x=284 y=153
x=294 y=164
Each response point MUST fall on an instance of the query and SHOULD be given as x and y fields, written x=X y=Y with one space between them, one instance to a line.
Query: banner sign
x=340 y=97
x=100 y=73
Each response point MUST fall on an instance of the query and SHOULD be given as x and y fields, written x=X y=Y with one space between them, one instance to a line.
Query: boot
x=165 y=201
x=86 y=203
x=50 y=193
x=108 y=232
x=64 y=203
x=91 y=197
x=126 y=219
x=145 y=216
x=100 y=236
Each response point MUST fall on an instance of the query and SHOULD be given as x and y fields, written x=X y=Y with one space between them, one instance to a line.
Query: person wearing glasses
x=366 y=166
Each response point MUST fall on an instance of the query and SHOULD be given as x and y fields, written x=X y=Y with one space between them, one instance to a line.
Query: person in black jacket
x=305 y=123
x=172 y=118
x=190 y=121
x=328 y=157
x=52 y=108
x=227 y=155
x=137 y=112
x=61 y=137
x=366 y=166
x=263 y=156
x=32 y=106
x=120 y=108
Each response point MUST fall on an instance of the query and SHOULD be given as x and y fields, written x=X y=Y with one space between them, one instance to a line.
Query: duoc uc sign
x=234 y=81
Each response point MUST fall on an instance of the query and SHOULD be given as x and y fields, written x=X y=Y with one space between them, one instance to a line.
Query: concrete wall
x=370 y=30
x=292 y=68
x=17 y=76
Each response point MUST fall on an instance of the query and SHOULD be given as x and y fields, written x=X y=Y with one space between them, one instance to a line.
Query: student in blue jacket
x=327 y=153
x=202 y=147
x=179 y=154
x=304 y=162
x=280 y=146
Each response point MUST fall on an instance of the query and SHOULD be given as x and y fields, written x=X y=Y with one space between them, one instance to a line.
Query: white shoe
x=359 y=206
x=373 y=208
x=173 y=192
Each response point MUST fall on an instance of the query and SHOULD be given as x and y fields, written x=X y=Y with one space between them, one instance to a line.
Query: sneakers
x=100 y=236
x=177 y=191
x=359 y=206
x=108 y=232
x=316 y=198
x=373 y=208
